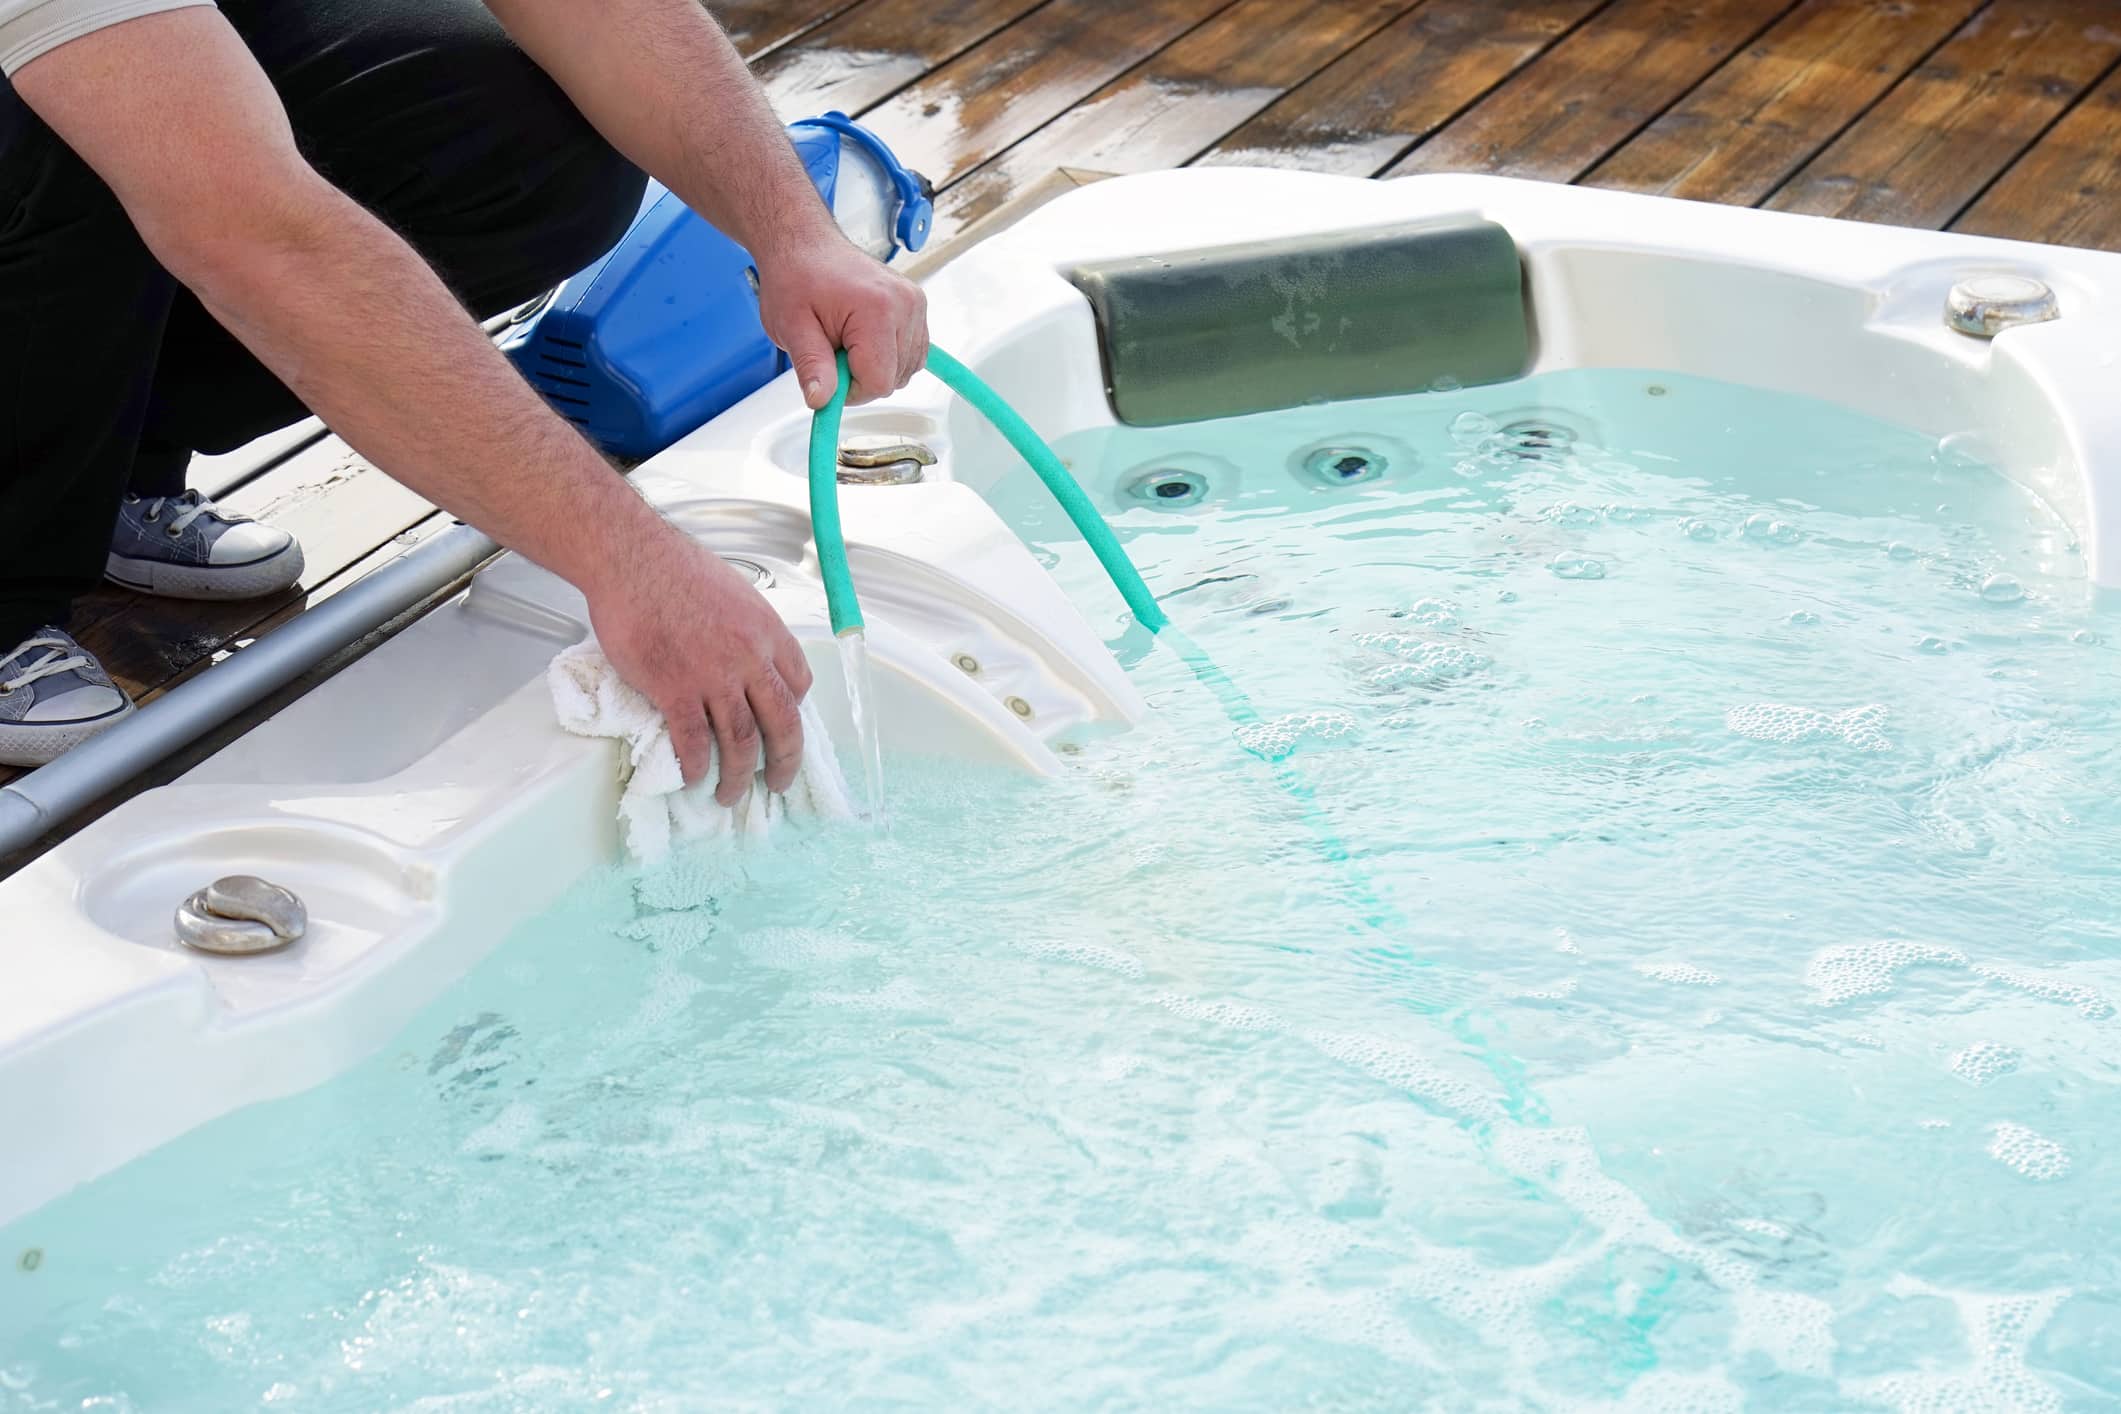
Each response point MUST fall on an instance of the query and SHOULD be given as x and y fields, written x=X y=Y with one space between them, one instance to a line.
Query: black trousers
x=111 y=374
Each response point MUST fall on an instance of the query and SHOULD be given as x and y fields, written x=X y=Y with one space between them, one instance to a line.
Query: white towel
x=656 y=808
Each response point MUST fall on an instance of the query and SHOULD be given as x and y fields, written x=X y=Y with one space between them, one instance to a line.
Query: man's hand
x=661 y=80
x=686 y=631
x=831 y=296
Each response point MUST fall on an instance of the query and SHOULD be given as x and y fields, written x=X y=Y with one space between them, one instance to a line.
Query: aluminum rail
x=46 y=797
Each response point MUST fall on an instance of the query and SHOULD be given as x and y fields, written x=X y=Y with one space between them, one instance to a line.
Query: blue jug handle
x=916 y=212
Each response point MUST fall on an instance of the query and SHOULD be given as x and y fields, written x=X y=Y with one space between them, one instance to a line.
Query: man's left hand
x=831 y=296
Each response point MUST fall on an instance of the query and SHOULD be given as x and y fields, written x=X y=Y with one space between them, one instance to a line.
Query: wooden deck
x=2002 y=118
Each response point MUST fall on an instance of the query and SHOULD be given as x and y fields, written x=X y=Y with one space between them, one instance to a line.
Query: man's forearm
x=412 y=383
x=662 y=82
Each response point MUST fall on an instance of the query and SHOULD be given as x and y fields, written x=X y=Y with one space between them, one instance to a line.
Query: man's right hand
x=685 y=629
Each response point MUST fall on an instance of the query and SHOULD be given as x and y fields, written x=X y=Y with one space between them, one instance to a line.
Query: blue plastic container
x=663 y=332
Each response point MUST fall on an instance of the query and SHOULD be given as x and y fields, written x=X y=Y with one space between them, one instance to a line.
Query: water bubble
x=2002 y=589
x=1961 y=451
x=1569 y=566
x=1470 y=429
x=1930 y=643
x=1616 y=512
x=2087 y=637
x=1762 y=526
x=1444 y=383
x=1699 y=529
x=1419 y=663
x=1802 y=616
x=1900 y=550
x=1276 y=740
x=1509 y=596
x=1684 y=973
x=1568 y=513
x=1656 y=390
x=1437 y=612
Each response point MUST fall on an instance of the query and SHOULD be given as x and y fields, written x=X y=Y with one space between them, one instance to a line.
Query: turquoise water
x=1655 y=950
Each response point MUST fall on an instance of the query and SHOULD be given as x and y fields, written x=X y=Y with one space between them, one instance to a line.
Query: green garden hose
x=825 y=505
x=845 y=610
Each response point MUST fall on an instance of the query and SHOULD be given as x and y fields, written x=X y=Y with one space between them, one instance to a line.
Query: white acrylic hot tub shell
x=424 y=803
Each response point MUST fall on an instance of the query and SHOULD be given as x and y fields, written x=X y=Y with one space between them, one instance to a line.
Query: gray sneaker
x=54 y=695
x=186 y=547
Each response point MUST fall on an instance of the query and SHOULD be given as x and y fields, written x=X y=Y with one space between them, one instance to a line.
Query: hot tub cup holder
x=288 y=888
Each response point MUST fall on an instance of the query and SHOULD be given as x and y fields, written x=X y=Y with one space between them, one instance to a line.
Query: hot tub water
x=1725 y=1016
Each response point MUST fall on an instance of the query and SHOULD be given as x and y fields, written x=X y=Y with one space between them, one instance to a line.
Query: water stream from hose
x=861 y=706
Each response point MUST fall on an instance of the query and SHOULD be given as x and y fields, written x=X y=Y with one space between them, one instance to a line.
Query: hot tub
x=1730 y=428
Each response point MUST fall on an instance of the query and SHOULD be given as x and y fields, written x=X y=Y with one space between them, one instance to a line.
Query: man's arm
x=174 y=114
x=662 y=82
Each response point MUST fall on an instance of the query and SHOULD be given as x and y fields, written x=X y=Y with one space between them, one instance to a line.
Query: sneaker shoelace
x=195 y=505
x=62 y=656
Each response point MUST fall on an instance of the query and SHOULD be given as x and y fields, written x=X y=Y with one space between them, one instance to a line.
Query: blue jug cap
x=916 y=212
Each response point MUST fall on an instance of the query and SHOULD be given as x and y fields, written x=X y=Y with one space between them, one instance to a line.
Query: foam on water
x=1985 y=1061
x=1696 y=997
x=2022 y=1150
x=1860 y=727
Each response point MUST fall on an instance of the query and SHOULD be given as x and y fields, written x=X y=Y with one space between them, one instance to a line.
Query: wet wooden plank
x=1179 y=102
x=1363 y=111
x=1750 y=125
x=339 y=506
x=1956 y=123
x=1033 y=71
x=2067 y=189
x=757 y=27
x=1594 y=90
x=864 y=55
x=1021 y=203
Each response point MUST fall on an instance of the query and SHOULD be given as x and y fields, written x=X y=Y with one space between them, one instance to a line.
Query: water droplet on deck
x=1569 y=566
x=2002 y=589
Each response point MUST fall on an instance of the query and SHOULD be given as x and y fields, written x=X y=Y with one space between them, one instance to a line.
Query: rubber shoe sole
x=41 y=743
x=255 y=580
